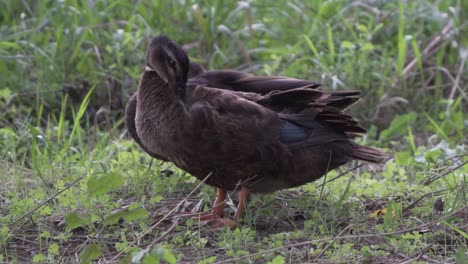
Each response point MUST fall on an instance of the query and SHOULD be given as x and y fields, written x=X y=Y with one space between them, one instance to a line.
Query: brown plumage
x=130 y=112
x=253 y=134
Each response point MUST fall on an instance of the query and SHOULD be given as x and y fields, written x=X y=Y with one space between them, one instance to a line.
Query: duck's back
x=243 y=139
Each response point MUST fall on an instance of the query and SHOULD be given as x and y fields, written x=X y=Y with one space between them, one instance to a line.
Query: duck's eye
x=172 y=63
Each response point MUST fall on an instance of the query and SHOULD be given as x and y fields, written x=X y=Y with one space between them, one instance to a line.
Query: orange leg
x=215 y=219
x=220 y=222
x=218 y=206
x=216 y=212
x=243 y=197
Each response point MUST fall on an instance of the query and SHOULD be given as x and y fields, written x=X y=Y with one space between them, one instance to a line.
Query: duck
x=130 y=112
x=240 y=132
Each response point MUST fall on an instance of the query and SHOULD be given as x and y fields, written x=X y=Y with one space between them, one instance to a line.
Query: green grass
x=72 y=185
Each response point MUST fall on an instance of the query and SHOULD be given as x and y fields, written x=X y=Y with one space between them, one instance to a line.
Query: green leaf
x=73 y=220
x=277 y=260
x=169 y=257
x=5 y=93
x=7 y=133
x=150 y=259
x=368 y=47
x=39 y=258
x=404 y=158
x=431 y=155
x=105 y=184
x=208 y=260
x=54 y=249
x=461 y=257
x=347 y=44
x=127 y=215
x=398 y=126
x=362 y=28
x=92 y=252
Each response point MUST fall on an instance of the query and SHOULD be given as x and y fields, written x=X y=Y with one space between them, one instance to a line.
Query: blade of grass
x=437 y=128
x=401 y=38
x=79 y=116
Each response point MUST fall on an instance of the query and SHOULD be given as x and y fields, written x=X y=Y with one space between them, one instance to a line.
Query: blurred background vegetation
x=409 y=59
x=404 y=56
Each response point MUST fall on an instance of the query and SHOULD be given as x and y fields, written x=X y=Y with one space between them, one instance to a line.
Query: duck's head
x=169 y=61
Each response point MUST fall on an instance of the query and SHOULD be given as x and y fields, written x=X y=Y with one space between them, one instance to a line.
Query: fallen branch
x=46 y=201
x=331 y=243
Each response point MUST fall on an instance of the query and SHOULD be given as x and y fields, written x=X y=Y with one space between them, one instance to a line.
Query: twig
x=431 y=180
x=331 y=243
x=166 y=216
x=419 y=254
x=176 y=207
x=46 y=201
x=433 y=46
x=419 y=199
x=342 y=174
x=456 y=83
x=232 y=260
x=163 y=235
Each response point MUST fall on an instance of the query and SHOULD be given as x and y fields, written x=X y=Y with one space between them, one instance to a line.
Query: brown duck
x=130 y=112
x=249 y=133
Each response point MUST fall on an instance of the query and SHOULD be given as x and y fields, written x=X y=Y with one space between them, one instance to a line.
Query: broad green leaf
x=5 y=93
x=92 y=252
x=54 y=249
x=150 y=259
x=169 y=257
x=277 y=260
x=398 y=126
x=208 y=260
x=367 y=47
x=105 y=184
x=431 y=155
x=404 y=158
x=362 y=28
x=73 y=220
x=39 y=258
x=347 y=44
x=127 y=215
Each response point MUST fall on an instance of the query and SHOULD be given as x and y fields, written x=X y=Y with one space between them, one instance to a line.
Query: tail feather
x=368 y=154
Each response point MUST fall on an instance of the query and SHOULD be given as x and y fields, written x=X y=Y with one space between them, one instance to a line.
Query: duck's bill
x=150 y=69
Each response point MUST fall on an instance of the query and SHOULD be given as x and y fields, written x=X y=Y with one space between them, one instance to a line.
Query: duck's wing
x=322 y=120
x=297 y=113
x=299 y=118
x=245 y=82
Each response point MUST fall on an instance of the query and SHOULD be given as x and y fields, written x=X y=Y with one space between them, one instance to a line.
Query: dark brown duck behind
x=252 y=133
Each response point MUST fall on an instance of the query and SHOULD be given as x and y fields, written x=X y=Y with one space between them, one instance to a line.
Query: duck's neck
x=155 y=95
